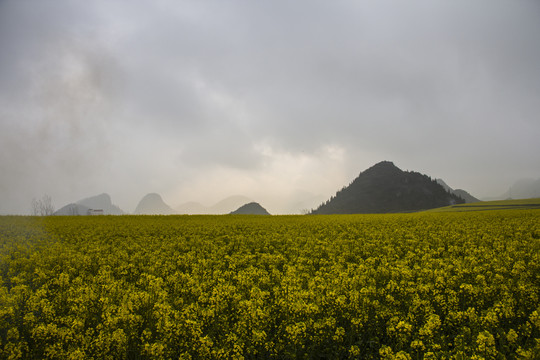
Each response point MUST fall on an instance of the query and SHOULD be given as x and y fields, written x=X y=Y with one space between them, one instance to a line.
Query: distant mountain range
x=384 y=188
x=100 y=202
x=379 y=189
x=252 y=208
x=150 y=204
x=459 y=192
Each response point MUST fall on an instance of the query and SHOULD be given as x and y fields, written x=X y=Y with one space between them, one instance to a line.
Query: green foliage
x=403 y=286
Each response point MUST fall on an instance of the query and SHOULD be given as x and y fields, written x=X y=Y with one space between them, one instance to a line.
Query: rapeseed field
x=463 y=285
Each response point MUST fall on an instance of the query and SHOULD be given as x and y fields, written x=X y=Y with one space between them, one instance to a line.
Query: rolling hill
x=384 y=188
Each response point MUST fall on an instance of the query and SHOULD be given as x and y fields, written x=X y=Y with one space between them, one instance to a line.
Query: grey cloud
x=94 y=93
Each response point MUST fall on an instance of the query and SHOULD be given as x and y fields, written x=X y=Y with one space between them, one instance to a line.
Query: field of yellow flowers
x=463 y=285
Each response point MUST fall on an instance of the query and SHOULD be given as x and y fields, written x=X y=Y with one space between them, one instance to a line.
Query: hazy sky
x=281 y=101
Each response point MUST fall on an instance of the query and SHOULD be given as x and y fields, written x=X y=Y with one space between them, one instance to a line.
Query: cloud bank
x=280 y=101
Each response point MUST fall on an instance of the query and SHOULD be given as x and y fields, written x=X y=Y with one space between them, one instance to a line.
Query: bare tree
x=43 y=206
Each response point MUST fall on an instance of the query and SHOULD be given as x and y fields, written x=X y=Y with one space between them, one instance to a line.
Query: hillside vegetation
x=399 y=286
x=384 y=188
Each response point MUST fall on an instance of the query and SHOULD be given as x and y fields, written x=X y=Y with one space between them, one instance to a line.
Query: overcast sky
x=281 y=101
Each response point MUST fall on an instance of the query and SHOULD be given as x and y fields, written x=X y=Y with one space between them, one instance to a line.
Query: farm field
x=519 y=204
x=459 y=285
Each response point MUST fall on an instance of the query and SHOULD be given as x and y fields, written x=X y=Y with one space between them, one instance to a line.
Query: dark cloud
x=161 y=96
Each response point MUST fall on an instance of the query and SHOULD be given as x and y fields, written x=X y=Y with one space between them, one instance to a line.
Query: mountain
x=153 y=204
x=225 y=206
x=444 y=185
x=72 y=209
x=251 y=208
x=465 y=196
x=523 y=189
x=459 y=192
x=385 y=188
x=100 y=202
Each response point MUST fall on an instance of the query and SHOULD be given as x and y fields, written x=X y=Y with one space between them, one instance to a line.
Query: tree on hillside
x=43 y=206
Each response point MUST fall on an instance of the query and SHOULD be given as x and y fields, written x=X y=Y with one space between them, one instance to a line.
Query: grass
x=520 y=204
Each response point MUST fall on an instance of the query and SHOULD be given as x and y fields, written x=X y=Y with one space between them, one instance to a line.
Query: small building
x=95 y=212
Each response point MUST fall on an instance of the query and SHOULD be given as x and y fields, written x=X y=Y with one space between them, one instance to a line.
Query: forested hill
x=385 y=188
